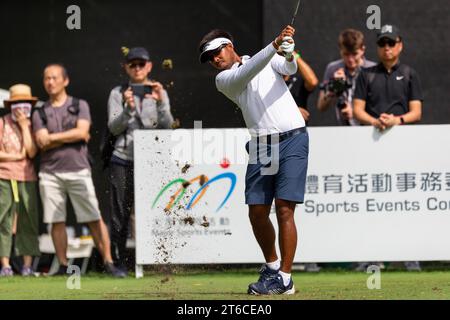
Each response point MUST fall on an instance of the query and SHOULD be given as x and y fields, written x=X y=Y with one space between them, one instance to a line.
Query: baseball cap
x=137 y=53
x=389 y=31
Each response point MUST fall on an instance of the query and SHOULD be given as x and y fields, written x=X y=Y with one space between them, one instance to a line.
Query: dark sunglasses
x=137 y=64
x=214 y=53
x=383 y=42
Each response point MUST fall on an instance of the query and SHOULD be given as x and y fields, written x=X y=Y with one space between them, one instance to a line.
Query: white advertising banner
x=369 y=196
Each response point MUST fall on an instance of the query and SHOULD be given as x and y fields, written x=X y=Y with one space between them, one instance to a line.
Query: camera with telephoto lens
x=338 y=86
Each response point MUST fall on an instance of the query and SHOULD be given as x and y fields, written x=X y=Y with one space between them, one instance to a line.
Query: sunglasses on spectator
x=383 y=42
x=133 y=65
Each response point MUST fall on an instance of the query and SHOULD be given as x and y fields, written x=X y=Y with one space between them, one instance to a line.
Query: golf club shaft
x=295 y=13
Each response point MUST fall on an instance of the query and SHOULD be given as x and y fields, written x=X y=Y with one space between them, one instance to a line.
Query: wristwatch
x=402 y=120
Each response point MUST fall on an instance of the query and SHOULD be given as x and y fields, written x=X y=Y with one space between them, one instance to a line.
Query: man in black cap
x=139 y=104
x=389 y=93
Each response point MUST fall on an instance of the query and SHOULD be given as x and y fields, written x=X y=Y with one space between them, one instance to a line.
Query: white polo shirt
x=259 y=90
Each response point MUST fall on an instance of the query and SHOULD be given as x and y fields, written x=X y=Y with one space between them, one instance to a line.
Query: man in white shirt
x=278 y=149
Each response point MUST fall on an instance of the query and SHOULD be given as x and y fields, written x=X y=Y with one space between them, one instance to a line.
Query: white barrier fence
x=369 y=196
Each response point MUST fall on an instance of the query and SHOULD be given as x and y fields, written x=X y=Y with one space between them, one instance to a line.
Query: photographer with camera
x=338 y=86
x=139 y=104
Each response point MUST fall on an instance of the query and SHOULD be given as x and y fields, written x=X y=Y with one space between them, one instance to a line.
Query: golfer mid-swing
x=278 y=149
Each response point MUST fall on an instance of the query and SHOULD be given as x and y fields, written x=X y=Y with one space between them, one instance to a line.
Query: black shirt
x=296 y=85
x=388 y=93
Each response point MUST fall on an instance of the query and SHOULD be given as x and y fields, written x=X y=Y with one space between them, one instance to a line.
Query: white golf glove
x=287 y=48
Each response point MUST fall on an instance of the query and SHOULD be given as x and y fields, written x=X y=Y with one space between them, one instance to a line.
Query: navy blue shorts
x=285 y=180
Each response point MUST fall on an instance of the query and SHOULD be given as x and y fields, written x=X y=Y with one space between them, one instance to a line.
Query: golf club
x=295 y=13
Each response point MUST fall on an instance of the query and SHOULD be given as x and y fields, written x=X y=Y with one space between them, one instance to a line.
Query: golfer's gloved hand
x=287 y=47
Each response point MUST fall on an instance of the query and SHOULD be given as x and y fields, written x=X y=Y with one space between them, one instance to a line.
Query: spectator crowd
x=382 y=94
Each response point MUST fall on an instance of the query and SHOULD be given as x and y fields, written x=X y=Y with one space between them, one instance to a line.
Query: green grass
x=231 y=285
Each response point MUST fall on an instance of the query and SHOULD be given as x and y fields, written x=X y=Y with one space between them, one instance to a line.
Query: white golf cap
x=211 y=46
